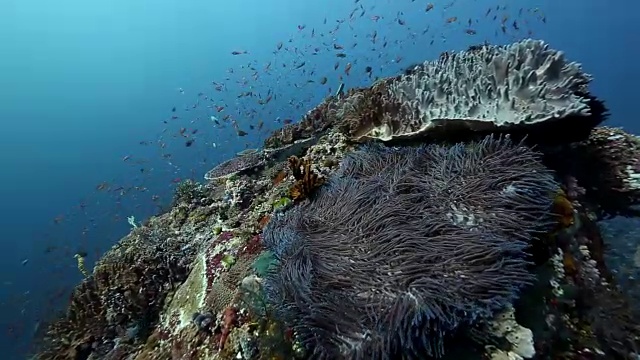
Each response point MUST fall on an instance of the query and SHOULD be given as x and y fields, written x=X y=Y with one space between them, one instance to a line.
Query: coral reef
x=328 y=154
x=519 y=337
x=365 y=106
x=295 y=148
x=524 y=88
x=407 y=244
x=475 y=243
x=584 y=315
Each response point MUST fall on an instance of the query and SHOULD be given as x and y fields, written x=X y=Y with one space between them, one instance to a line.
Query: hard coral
x=407 y=244
x=223 y=282
x=306 y=179
x=244 y=162
x=365 y=106
x=596 y=314
x=489 y=88
x=188 y=191
x=73 y=337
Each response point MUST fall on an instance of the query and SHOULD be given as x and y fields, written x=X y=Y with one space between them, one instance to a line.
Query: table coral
x=487 y=88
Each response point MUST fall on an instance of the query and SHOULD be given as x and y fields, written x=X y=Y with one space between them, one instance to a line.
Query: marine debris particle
x=307 y=180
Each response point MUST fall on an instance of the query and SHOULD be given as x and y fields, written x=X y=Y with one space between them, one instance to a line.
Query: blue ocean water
x=87 y=92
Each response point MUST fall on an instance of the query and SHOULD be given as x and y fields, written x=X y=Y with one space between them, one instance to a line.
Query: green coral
x=282 y=203
x=227 y=261
x=263 y=264
x=199 y=216
x=188 y=191
x=180 y=215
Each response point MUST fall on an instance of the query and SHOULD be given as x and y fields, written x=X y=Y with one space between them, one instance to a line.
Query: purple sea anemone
x=404 y=245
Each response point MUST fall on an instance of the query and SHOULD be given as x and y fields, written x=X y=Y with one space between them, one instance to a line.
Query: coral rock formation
x=490 y=87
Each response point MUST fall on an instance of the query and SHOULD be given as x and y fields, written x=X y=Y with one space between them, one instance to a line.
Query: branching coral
x=188 y=191
x=307 y=180
x=404 y=245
